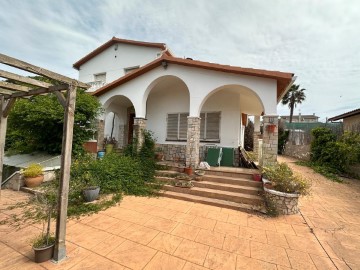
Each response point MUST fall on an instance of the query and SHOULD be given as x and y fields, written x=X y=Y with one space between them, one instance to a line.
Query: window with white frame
x=210 y=126
x=176 y=126
x=100 y=77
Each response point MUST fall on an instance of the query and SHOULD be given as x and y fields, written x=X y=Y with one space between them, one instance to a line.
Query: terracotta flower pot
x=257 y=177
x=34 y=181
x=188 y=171
x=271 y=128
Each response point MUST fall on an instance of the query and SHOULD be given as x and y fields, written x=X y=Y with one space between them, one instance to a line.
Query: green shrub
x=284 y=180
x=339 y=154
x=42 y=241
x=33 y=170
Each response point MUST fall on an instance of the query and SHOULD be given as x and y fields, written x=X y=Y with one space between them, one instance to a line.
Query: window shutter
x=183 y=126
x=172 y=126
x=202 y=126
x=213 y=126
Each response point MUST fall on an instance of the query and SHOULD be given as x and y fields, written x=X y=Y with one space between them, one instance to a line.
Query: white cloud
x=319 y=41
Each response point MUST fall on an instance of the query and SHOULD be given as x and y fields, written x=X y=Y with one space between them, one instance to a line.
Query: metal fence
x=300 y=133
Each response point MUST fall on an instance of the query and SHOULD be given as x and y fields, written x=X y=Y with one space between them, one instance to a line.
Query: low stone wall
x=177 y=153
x=286 y=204
x=298 y=151
x=173 y=152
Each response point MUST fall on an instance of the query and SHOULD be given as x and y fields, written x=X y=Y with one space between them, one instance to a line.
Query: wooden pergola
x=9 y=92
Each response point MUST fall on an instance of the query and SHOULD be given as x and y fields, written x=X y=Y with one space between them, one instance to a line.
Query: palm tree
x=293 y=97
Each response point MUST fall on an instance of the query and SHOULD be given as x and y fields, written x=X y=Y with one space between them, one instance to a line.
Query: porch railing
x=95 y=85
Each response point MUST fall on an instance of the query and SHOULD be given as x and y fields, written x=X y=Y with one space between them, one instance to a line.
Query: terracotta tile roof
x=115 y=40
x=283 y=79
x=345 y=115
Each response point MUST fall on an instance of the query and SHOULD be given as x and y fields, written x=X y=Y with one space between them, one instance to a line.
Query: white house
x=188 y=104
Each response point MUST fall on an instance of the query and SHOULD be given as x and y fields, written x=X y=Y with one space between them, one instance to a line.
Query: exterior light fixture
x=164 y=64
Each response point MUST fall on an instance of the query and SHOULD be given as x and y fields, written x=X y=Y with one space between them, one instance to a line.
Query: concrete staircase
x=231 y=188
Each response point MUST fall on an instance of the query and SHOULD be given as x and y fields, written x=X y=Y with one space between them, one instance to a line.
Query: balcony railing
x=95 y=85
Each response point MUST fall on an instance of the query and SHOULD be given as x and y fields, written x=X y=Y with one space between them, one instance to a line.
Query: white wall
x=163 y=100
x=228 y=104
x=206 y=88
x=114 y=61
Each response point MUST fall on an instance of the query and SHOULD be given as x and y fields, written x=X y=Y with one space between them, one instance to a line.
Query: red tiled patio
x=165 y=233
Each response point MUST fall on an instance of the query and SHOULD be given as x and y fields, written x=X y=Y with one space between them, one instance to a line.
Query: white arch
x=155 y=82
x=225 y=87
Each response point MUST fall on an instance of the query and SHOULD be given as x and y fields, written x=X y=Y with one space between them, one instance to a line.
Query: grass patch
x=326 y=171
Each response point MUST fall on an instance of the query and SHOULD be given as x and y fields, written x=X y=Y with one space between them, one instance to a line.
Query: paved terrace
x=163 y=233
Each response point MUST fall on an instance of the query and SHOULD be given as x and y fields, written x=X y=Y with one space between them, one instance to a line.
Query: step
x=231 y=180
x=216 y=186
x=228 y=187
x=232 y=172
x=211 y=201
x=217 y=194
x=164 y=173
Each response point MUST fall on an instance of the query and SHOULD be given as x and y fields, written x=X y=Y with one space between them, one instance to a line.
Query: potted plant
x=91 y=188
x=44 y=208
x=283 y=188
x=109 y=144
x=271 y=128
x=33 y=175
x=188 y=170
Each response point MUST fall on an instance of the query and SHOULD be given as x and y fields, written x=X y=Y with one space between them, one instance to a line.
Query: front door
x=131 y=127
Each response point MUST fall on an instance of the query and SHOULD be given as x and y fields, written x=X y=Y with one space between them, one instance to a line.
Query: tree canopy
x=293 y=97
x=36 y=124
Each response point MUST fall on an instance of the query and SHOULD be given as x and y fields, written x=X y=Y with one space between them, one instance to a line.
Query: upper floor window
x=129 y=69
x=100 y=77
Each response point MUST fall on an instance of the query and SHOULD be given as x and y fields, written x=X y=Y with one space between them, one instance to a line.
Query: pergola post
x=3 y=124
x=5 y=108
x=60 y=247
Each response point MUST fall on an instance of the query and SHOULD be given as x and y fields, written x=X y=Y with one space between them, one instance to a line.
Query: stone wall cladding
x=139 y=127
x=286 y=204
x=193 y=142
x=121 y=138
x=173 y=152
x=270 y=141
x=177 y=153
x=100 y=134
x=256 y=136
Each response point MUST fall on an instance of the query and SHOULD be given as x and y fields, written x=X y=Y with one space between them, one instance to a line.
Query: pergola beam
x=6 y=91
x=14 y=87
x=38 y=91
x=23 y=79
x=10 y=61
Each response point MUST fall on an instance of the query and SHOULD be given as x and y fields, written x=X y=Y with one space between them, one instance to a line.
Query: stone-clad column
x=270 y=140
x=139 y=127
x=193 y=142
x=256 y=136
x=100 y=134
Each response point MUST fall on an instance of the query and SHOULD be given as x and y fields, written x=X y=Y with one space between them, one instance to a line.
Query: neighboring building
x=188 y=104
x=351 y=120
x=311 y=118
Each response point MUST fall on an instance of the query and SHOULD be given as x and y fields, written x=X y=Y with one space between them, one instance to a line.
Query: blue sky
x=318 y=40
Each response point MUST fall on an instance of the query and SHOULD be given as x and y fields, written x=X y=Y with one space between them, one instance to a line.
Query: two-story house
x=188 y=104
